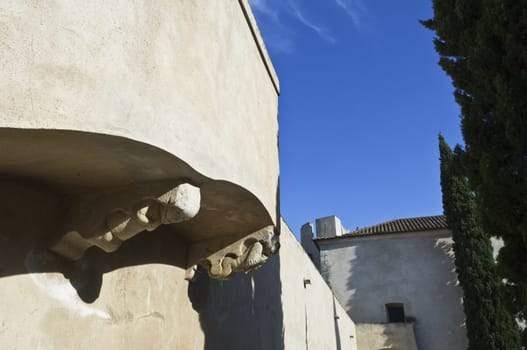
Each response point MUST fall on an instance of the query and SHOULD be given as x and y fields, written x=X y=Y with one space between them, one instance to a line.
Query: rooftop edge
x=260 y=44
x=403 y=225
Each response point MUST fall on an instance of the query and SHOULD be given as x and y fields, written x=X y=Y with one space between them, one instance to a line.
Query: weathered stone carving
x=244 y=255
x=179 y=204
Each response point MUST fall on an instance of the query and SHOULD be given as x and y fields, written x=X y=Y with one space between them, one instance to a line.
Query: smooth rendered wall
x=286 y=304
x=416 y=269
x=187 y=77
x=137 y=297
x=375 y=336
x=133 y=299
x=313 y=317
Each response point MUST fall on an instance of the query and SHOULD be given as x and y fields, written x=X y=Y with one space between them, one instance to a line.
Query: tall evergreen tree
x=483 y=47
x=489 y=323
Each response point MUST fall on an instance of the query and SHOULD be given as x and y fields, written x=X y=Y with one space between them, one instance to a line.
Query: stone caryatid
x=243 y=255
x=107 y=229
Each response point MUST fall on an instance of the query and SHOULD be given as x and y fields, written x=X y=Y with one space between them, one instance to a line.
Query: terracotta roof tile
x=424 y=223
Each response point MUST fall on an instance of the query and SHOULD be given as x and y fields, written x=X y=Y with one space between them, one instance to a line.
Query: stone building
x=139 y=174
x=139 y=180
x=396 y=280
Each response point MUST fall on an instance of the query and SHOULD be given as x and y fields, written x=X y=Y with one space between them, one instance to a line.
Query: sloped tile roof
x=423 y=223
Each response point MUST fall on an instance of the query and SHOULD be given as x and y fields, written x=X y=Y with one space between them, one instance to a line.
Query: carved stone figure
x=241 y=256
x=179 y=204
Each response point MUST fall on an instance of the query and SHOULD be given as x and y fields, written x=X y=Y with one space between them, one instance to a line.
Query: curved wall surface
x=190 y=78
x=139 y=114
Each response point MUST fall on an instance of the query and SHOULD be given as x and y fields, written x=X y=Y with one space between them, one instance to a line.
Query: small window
x=395 y=312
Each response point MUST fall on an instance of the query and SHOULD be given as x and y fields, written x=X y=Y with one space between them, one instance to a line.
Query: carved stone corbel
x=244 y=255
x=95 y=225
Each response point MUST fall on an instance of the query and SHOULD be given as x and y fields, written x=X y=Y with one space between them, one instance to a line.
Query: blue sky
x=362 y=102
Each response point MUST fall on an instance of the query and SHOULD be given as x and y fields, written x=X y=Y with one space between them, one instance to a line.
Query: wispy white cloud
x=321 y=31
x=282 y=44
x=277 y=35
x=265 y=8
x=277 y=19
x=355 y=9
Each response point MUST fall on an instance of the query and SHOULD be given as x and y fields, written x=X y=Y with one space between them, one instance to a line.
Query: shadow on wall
x=244 y=312
x=336 y=325
x=30 y=215
x=368 y=269
x=448 y=261
x=18 y=255
x=326 y=273
x=408 y=270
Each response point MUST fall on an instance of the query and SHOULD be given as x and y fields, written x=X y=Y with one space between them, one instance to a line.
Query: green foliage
x=483 y=47
x=489 y=323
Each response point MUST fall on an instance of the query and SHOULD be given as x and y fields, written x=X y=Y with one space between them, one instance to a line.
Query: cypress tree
x=482 y=46
x=489 y=323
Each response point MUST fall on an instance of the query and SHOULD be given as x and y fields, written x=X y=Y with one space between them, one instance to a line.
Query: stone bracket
x=245 y=254
x=94 y=222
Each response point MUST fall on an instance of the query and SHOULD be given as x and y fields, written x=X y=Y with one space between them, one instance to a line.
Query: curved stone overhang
x=100 y=175
x=135 y=112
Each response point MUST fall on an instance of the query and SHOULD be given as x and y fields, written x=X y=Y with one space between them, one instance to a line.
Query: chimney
x=329 y=226
x=306 y=240
x=306 y=233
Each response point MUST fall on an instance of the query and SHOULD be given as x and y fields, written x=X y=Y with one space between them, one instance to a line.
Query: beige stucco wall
x=416 y=269
x=137 y=298
x=313 y=318
x=188 y=77
x=388 y=336
x=98 y=95
x=142 y=307
x=104 y=301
